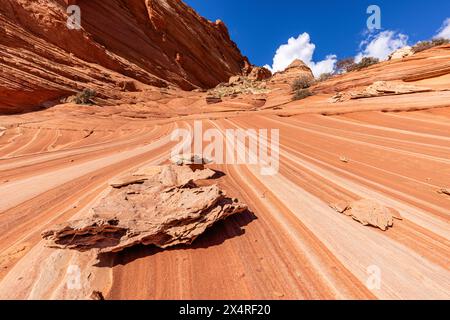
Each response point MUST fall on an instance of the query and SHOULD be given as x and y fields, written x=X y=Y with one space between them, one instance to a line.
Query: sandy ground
x=291 y=245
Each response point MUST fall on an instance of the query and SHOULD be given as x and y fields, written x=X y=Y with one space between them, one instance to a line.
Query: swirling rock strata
x=147 y=42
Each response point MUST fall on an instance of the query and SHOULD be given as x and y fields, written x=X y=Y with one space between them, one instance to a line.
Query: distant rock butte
x=165 y=209
x=123 y=45
x=295 y=70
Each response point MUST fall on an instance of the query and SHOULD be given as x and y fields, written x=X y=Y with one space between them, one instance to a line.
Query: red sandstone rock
x=154 y=42
x=369 y=213
x=296 y=69
x=379 y=88
x=428 y=64
x=166 y=209
x=259 y=74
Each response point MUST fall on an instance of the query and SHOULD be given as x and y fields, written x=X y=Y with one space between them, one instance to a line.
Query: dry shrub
x=302 y=82
x=425 y=45
x=301 y=94
x=85 y=97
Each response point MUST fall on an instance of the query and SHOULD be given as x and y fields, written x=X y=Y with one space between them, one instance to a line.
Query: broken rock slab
x=340 y=206
x=163 y=211
x=126 y=181
x=170 y=175
x=368 y=212
x=188 y=159
x=193 y=161
x=181 y=176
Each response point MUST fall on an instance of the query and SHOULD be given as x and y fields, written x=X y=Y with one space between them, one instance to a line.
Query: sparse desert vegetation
x=300 y=87
x=301 y=94
x=85 y=97
x=425 y=45
x=349 y=64
x=325 y=76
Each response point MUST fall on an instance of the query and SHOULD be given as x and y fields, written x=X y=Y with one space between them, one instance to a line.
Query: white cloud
x=381 y=45
x=444 y=31
x=301 y=48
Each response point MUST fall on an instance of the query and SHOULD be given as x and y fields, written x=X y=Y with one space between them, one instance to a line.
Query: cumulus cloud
x=301 y=48
x=381 y=45
x=444 y=31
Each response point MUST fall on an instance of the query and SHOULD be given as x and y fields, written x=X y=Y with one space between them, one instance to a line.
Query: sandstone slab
x=166 y=210
x=369 y=213
x=377 y=89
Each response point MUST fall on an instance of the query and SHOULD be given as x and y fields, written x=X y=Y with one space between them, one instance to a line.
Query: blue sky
x=259 y=27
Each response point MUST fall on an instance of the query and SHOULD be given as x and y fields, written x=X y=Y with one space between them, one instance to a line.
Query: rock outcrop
x=401 y=53
x=377 y=89
x=424 y=65
x=260 y=74
x=238 y=85
x=165 y=208
x=122 y=45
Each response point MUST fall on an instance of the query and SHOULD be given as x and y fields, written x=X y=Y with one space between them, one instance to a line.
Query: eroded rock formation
x=401 y=53
x=143 y=42
x=369 y=213
x=260 y=74
x=295 y=70
x=238 y=85
x=165 y=208
x=428 y=64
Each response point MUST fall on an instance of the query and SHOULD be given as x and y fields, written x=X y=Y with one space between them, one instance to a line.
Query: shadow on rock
x=216 y=235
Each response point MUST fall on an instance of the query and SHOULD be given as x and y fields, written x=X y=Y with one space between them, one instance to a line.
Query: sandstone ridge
x=121 y=44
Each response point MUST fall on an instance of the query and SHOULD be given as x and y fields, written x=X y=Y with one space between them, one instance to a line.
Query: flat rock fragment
x=125 y=181
x=369 y=213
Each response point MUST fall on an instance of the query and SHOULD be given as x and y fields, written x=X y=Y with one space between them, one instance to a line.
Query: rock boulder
x=163 y=209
